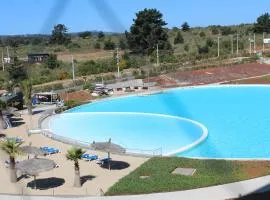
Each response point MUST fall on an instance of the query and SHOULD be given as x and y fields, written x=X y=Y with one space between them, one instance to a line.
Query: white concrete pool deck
x=219 y=192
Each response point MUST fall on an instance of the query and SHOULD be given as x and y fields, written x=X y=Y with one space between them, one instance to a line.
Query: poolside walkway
x=226 y=191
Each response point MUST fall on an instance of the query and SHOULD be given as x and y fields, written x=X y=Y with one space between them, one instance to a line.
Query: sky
x=39 y=16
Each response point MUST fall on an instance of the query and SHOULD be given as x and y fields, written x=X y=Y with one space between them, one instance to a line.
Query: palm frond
x=11 y=147
x=74 y=154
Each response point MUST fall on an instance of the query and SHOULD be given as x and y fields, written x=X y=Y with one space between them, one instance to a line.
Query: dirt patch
x=255 y=169
x=212 y=75
x=260 y=80
x=81 y=96
x=84 y=56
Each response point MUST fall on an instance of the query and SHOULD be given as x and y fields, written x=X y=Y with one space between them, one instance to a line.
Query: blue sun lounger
x=89 y=157
x=50 y=150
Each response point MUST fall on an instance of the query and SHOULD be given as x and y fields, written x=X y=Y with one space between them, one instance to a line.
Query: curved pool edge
x=180 y=150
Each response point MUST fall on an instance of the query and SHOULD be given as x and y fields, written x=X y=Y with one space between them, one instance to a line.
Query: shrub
x=97 y=45
x=85 y=34
x=202 y=34
x=52 y=62
x=179 y=38
x=226 y=30
x=214 y=30
x=203 y=50
x=186 y=47
x=89 y=86
x=109 y=45
x=57 y=86
x=78 y=82
x=73 y=45
x=87 y=67
x=209 y=42
x=71 y=104
x=62 y=75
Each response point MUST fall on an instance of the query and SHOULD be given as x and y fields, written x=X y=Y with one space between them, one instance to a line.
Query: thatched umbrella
x=35 y=166
x=33 y=151
x=108 y=147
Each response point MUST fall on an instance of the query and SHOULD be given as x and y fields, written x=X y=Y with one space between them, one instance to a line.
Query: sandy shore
x=98 y=178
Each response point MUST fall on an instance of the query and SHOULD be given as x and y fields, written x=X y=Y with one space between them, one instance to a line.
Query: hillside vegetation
x=95 y=52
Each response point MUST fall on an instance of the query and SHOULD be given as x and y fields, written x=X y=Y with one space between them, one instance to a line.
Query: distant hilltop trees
x=263 y=24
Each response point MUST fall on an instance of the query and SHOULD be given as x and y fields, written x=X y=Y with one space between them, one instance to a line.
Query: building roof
x=38 y=54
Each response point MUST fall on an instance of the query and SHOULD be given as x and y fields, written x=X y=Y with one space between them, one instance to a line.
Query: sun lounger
x=103 y=161
x=89 y=157
x=50 y=150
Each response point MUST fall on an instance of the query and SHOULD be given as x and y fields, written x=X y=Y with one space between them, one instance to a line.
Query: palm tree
x=27 y=91
x=75 y=154
x=12 y=148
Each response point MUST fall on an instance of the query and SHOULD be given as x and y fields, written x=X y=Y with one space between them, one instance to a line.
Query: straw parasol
x=33 y=151
x=108 y=147
x=35 y=166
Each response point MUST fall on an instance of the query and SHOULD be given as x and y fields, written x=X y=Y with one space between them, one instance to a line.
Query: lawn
x=209 y=173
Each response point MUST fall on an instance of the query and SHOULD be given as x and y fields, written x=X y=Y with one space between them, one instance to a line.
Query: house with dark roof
x=37 y=57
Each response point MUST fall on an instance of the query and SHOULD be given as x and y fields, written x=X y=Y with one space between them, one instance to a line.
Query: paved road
x=219 y=192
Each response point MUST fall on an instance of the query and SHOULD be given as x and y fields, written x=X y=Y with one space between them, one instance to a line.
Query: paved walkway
x=219 y=192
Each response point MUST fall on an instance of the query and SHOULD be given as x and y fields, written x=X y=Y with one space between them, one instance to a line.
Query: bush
x=58 y=49
x=109 y=45
x=85 y=34
x=71 y=104
x=63 y=75
x=209 y=42
x=57 y=86
x=226 y=30
x=89 y=86
x=186 y=47
x=203 y=49
x=202 y=34
x=122 y=44
x=87 y=68
x=78 y=82
x=214 y=30
x=73 y=45
x=97 y=45
x=52 y=62
x=267 y=55
x=179 y=38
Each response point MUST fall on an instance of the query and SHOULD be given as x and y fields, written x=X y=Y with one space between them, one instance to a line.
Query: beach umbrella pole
x=35 y=184
x=109 y=161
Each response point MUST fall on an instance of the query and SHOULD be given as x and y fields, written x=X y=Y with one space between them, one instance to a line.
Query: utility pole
x=3 y=62
x=254 y=43
x=117 y=61
x=157 y=56
x=232 y=44
x=218 y=46
x=7 y=52
x=73 y=70
x=237 y=44
x=263 y=43
x=249 y=45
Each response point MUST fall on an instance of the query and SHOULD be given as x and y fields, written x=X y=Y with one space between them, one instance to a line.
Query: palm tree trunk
x=29 y=107
x=13 y=174
x=77 y=178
